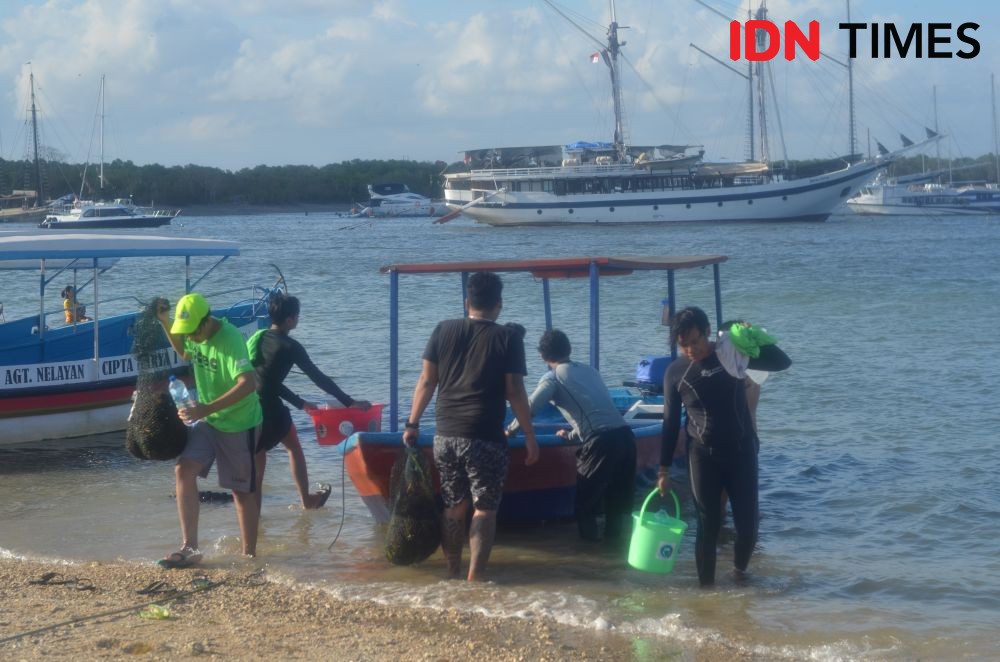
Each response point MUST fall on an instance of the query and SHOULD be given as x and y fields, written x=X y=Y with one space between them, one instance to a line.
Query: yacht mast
x=100 y=177
x=34 y=135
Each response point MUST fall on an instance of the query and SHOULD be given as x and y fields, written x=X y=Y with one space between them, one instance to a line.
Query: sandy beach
x=241 y=614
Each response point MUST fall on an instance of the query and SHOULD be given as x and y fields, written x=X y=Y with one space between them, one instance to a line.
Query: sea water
x=880 y=505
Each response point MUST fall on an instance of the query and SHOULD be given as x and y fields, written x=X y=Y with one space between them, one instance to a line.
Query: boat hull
x=812 y=199
x=54 y=389
x=543 y=491
x=879 y=209
x=133 y=222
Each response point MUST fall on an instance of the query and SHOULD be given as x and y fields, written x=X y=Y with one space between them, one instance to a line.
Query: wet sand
x=244 y=615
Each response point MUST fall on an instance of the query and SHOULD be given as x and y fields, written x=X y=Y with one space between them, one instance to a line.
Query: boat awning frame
x=73 y=250
x=545 y=269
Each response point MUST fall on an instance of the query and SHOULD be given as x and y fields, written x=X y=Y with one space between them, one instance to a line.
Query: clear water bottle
x=178 y=391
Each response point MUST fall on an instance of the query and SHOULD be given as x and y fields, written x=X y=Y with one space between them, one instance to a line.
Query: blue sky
x=237 y=83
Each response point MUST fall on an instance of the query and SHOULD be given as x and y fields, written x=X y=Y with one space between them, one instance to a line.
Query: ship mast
x=996 y=128
x=610 y=56
x=34 y=136
x=850 y=96
x=762 y=42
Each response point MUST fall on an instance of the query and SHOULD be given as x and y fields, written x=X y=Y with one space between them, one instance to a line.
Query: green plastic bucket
x=656 y=538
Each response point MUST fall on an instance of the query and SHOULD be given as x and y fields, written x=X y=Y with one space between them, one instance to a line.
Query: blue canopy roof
x=79 y=245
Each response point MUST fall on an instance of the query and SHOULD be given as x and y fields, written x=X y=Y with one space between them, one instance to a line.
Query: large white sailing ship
x=620 y=183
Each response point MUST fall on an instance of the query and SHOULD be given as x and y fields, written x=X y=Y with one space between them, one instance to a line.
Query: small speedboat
x=118 y=214
x=396 y=201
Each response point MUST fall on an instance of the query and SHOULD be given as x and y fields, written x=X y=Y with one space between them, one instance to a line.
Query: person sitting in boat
x=74 y=310
x=723 y=441
x=476 y=366
x=605 y=463
x=225 y=422
x=273 y=353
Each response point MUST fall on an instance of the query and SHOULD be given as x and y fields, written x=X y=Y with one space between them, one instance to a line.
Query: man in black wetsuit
x=723 y=452
x=273 y=353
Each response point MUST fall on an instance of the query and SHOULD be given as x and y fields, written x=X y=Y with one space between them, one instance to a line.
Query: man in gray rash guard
x=605 y=463
x=723 y=452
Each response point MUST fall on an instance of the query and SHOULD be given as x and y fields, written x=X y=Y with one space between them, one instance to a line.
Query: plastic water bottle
x=182 y=398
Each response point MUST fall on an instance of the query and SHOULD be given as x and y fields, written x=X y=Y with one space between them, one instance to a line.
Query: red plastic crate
x=335 y=424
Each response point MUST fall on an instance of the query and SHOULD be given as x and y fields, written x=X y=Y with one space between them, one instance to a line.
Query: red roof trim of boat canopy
x=568 y=267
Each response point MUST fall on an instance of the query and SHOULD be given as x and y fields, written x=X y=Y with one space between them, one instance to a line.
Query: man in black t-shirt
x=476 y=366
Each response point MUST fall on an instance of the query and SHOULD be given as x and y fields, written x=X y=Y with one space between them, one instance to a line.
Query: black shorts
x=277 y=424
x=474 y=468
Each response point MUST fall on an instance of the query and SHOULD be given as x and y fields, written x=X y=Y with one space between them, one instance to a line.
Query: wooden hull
x=544 y=491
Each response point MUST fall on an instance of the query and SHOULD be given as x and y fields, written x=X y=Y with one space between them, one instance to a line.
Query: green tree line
x=178 y=186
x=339 y=183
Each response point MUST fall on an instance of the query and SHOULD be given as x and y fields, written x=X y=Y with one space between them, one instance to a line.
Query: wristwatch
x=411 y=426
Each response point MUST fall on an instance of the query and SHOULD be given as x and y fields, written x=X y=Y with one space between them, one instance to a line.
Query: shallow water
x=880 y=507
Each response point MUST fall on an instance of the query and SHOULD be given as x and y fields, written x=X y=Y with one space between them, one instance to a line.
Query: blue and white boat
x=60 y=379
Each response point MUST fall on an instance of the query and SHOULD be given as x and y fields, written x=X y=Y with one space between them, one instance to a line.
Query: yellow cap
x=191 y=310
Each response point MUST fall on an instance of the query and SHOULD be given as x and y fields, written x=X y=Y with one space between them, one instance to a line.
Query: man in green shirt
x=225 y=422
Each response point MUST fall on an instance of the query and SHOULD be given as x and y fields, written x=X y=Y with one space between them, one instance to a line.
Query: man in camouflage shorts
x=476 y=366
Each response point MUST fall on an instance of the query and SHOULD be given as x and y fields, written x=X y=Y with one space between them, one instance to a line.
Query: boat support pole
x=41 y=305
x=97 y=326
x=547 y=299
x=187 y=274
x=672 y=307
x=595 y=317
x=393 y=350
x=465 y=290
x=718 y=297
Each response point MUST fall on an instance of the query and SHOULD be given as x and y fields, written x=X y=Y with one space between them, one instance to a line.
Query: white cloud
x=322 y=80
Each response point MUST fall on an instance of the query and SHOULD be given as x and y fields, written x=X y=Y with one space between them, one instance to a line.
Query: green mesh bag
x=414 y=524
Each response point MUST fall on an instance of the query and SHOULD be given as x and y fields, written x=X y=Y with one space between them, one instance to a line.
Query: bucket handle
x=677 y=503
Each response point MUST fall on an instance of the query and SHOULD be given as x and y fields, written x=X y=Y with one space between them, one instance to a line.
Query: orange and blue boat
x=545 y=490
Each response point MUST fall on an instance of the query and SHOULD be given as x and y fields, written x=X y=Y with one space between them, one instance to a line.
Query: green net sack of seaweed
x=414 y=525
x=154 y=430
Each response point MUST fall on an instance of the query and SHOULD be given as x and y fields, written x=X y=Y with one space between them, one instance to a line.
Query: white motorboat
x=392 y=200
x=122 y=213
x=908 y=197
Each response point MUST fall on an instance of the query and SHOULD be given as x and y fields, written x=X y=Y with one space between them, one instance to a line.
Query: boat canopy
x=593 y=268
x=91 y=246
x=569 y=267
x=581 y=145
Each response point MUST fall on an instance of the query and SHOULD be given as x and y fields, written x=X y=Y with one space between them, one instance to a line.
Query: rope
x=343 y=501
x=80 y=619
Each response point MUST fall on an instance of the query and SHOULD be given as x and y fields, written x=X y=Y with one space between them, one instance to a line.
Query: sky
x=240 y=83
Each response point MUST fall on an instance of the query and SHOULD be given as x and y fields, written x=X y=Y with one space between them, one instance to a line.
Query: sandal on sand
x=157 y=588
x=185 y=557
x=324 y=494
